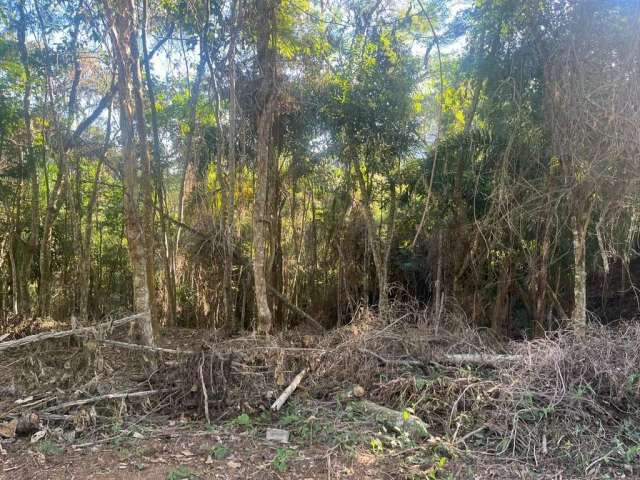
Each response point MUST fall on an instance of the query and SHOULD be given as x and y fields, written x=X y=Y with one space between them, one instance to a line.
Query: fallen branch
x=479 y=359
x=205 y=397
x=392 y=361
x=277 y=405
x=453 y=358
x=295 y=308
x=39 y=337
x=145 y=348
x=110 y=396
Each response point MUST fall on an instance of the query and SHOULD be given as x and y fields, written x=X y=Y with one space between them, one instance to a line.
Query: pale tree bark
x=147 y=189
x=15 y=275
x=168 y=253
x=121 y=21
x=265 y=122
x=579 y=225
x=267 y=94
x=229 y=234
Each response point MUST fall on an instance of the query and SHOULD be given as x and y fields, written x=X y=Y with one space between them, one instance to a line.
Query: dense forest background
x=234 y=164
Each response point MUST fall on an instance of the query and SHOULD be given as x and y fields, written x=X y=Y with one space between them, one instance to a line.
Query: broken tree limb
x=392 y=361
x=39 y=337
x=277 y=405
x=109 y=396
x=295 y=308
x=479 y=359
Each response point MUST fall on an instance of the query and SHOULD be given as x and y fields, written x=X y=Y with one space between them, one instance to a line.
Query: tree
x=123 y=28
x=593 y=93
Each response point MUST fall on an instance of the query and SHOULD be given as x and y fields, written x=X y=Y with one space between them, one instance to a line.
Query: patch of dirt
x=190 y=453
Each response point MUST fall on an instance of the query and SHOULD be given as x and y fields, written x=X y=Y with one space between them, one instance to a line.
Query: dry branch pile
x=562 y=398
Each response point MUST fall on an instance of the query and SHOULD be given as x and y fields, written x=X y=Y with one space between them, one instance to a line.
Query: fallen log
x=39 y=337
x=277 y=405
x=481 y=359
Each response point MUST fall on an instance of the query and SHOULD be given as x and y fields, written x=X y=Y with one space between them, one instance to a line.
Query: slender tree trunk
x=380 y=253
x=54 y=202
x=32 y=165
x=579 y=314
x=541 y=281
x=167 y=251
x=15 y=276
x=265 y=122
x=267 y=95
x=121 y=21
x=500 y=307
x=148 y=223
x=229 y=234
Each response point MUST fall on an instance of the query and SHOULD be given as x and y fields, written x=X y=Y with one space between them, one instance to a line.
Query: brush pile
x=563 y=398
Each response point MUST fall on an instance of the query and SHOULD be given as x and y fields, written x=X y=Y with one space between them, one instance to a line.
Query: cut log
x=39 y=337
x=398 y=421
x=277 y=405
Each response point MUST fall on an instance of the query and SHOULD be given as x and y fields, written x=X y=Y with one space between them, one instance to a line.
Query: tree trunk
x=542 y=279
x=30 y=160
x=15 y=276
x=266 y=102
x=167 y=251
x=265 y=122
x=121 y=23
x=579 y=313
x=229 y=234
x=380 y=253
x=502 y=297
x=147 y=189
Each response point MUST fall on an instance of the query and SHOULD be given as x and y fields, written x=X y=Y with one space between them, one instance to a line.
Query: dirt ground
x=188 y=455
x=191 y=450
x=233 y=455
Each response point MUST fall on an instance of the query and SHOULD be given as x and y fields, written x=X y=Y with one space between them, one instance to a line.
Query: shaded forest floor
x=555 y=408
